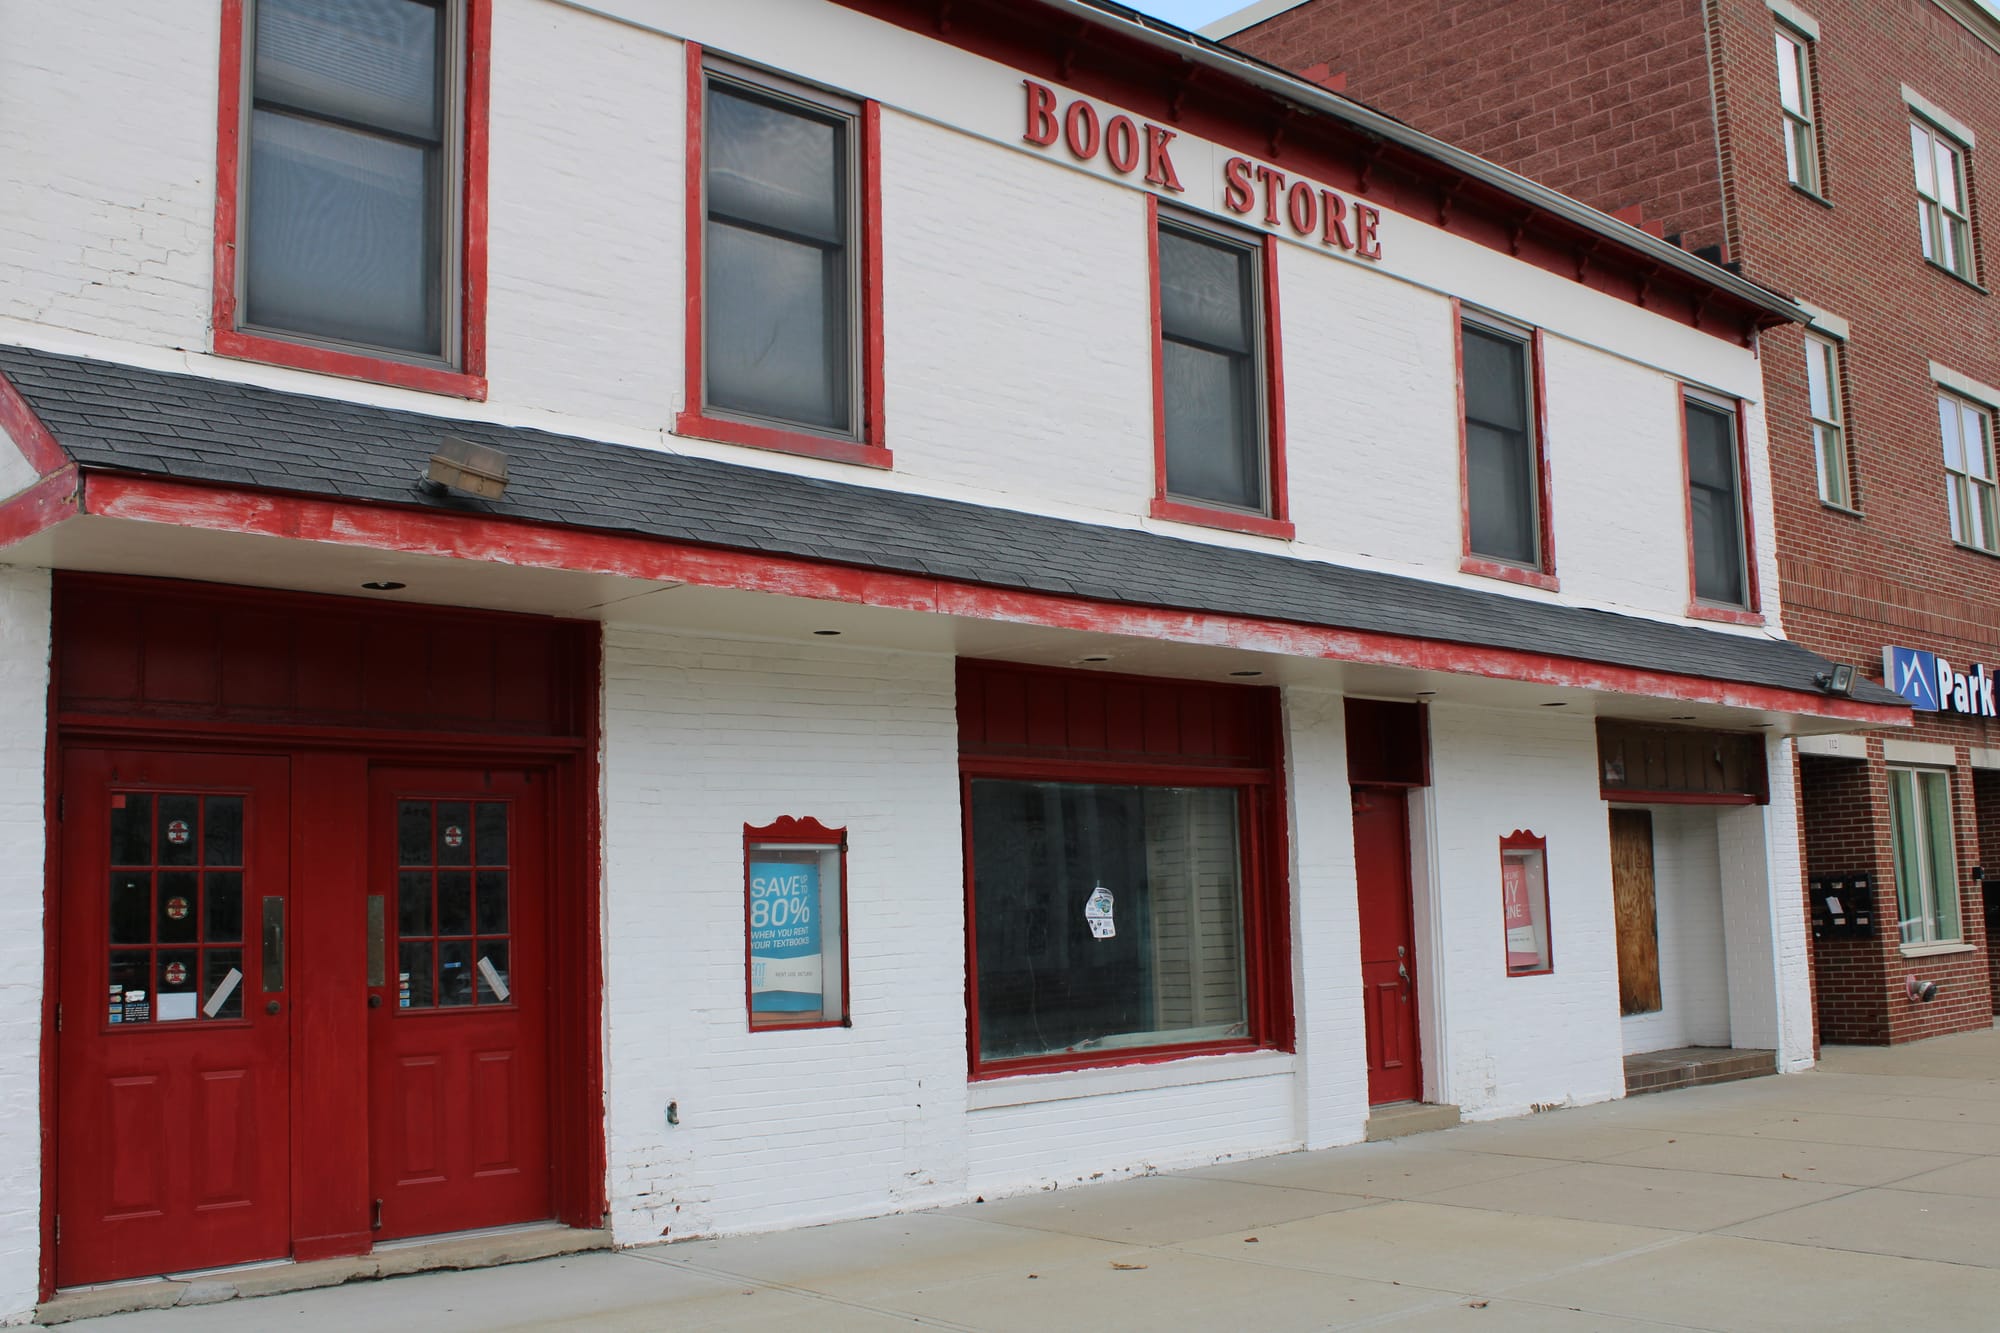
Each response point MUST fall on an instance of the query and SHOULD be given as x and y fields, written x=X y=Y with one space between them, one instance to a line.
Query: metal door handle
x=274 y=945
x=1404 y=973
x=374 y=1001
x=376 y=930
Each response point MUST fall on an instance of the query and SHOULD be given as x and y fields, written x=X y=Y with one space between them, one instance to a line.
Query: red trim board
x=25 y=428
x=515 y=542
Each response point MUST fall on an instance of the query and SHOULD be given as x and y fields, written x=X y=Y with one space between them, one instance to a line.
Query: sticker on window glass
x=223 y=990
x=137 y=1008
x=402 y=990
x=1097 y=911
x=454 y=836
x=176 y=972
x=177 y=909
x=785 y=956
x=177 y=832
x=493 y=978
x=176 y=1008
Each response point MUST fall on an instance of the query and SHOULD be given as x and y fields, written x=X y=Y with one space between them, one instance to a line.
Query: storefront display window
x=1926 y=865
x=1524 y=903
x=795 y=903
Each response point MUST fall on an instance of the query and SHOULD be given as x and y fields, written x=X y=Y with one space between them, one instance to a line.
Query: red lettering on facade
x=1304 y=208
x=1080 y=129
x=1121 y=144
x=1237 y=196
x=1336 y=221
x=1042 y=104
x=1274 y=185
x=1160 y=167
x=1366 y=220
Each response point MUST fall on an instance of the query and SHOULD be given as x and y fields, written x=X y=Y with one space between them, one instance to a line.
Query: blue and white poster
x=784 y=937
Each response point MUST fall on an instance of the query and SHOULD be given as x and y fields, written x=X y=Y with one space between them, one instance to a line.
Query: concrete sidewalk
x=1863 y=1195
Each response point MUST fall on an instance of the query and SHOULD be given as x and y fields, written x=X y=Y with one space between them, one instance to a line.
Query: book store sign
x=1252 y=190
x=1933 y=685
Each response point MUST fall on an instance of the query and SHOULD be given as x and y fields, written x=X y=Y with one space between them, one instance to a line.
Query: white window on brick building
x=1795 y=98
x=1926 y=857
x=1829 y=433
x=1968 y=466
x=1943 y=208
x=781 y=281
x=351 y=176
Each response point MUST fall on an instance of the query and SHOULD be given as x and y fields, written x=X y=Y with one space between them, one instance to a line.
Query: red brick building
x=1830 y=149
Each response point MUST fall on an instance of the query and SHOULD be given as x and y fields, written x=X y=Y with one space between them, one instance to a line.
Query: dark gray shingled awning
x=118 y=417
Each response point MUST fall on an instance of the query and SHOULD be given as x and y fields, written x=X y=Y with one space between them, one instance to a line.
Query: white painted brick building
x=468 y=794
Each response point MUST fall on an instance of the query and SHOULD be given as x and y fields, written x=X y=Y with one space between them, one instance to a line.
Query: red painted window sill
x=1494 y=569
x=1723 y=614
x=1228 y=520
x=803 y=443
x=349 y=365
x=1138 y=1055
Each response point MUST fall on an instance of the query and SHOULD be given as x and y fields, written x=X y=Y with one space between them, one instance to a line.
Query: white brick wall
x=778 y=1128
x=1515 y=1042
x=24 y=692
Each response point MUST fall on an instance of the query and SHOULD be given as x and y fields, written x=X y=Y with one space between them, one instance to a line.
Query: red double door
x=219 y=971
x=1388 y=944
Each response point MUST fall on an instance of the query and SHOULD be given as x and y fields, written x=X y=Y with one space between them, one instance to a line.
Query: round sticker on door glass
x=454 y=836
x=177 y=833
x=176 y=973
x=177 y=910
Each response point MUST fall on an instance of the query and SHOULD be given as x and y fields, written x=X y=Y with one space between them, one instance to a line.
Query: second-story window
x=1503 y=483
x=780 y=263
x=1210 y=368
x=1715 y=504
x=1968 y=472
x=1942 y=207
x=1795 y=98
x=1829 y=435
x=350 y=178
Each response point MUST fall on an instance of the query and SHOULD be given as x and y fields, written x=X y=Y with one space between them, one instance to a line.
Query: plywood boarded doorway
x=1638 y=917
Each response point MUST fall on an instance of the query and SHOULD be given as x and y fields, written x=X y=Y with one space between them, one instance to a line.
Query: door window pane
x=132 y=829
x=1715 y=504
x=1106 y=917
x=164 y=915
x=778 y=283
x=449 y=915
x=1210 y=370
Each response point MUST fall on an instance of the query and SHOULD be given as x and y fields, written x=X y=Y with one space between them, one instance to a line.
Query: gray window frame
x=1493 y=326
x=1258 y=424
x=453 y=44
x=1971 y=498
x=1836 y=477
x=1693 y=399
x=771 y=88
x=1935 y=220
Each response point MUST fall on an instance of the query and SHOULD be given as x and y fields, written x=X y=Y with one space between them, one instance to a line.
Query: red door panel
x=458 y=1026
x=173 y=1133
x=1388 y=945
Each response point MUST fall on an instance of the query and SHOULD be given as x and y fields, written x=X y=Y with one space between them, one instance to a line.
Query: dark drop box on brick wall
x=1843 y=907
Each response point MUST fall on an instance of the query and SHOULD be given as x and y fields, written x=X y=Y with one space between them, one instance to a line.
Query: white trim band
x=1795 y=17
x=1947 y=378
x=1028 y=1089
x=1937 y=116
x=1928 y=753
x=1844 y=746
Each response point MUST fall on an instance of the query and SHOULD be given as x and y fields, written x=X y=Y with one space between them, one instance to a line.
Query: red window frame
x=467 y=379
x=1277 y=523
x=802 y=832
x=1750 y=613
x=871 y=449
x=1543 y=574
x=1266 y=902
x=1521 y=840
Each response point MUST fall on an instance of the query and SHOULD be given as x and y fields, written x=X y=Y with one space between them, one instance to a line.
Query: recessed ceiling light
x=1425 y=694
x=1096 y=657
x=385 y=585
x=1560 y=703
x=1682 y=717
x=827 y=633
x=1246 y=673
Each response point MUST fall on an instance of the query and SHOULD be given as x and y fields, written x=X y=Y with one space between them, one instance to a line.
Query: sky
x=1189 y=14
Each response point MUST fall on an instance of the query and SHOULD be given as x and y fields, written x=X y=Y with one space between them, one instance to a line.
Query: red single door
x=459 y=996
x=1388 y=945
x=173 y=1132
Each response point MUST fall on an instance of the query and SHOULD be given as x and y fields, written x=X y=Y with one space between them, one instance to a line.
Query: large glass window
x=1926 y=860
x=1795 y=98
x=1715 y=504
x=1210 y=368
x=1502 y=467
x=1943 y=211
x=780 y=290
x=1829 y=435
x=1107 y=917
x=1967 y=432
x=350 y=175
